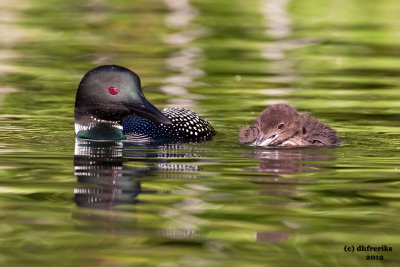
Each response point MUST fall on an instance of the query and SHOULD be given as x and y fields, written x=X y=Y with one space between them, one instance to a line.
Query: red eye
x=113 y=90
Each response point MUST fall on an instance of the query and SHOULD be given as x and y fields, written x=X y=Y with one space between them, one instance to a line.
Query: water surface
x=70 y=202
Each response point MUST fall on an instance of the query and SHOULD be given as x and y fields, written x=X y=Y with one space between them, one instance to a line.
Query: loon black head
x=275 y=125
x=105 y=96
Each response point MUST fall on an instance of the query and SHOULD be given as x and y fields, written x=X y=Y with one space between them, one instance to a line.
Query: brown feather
x=249 y=133
x=289 y=127
x=318 y=133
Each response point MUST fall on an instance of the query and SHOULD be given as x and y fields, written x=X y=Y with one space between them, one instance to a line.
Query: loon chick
x=282 y=125
x=110 y=105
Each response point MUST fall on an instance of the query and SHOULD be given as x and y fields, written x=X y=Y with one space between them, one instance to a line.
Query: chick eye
x=280 y=126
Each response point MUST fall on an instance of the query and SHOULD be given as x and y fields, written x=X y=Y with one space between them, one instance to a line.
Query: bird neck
x=90 y=127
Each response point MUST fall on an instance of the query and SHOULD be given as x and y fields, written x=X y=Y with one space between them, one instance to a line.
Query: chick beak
x=261 y=141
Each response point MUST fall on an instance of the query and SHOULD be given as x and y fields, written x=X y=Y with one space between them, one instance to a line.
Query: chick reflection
x=290 y=161
x=283 y=161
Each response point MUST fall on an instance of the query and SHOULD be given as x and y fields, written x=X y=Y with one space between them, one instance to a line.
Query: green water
x=217 y=203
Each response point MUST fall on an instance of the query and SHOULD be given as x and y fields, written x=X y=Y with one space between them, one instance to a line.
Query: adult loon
x=110 y=105
x=282 y=125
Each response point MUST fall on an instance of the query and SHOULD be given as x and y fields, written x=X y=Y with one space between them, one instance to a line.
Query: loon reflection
x=110 y=170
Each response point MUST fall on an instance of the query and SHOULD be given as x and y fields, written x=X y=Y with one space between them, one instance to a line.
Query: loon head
x=105 y=96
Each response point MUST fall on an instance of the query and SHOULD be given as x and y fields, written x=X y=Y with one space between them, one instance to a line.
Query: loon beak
x=148 y=111
x=265 y=142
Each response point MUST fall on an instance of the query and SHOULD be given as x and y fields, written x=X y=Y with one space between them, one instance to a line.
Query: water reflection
x=278 y=163
x=182 y=62
x=113 y=178
x=279 y=22
x=279 y=30
x=290 y=160
x=102 y=166
x=109 y=173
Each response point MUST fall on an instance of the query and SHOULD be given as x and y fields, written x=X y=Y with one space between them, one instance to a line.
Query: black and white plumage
x=110 y=105
x=186 y=126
